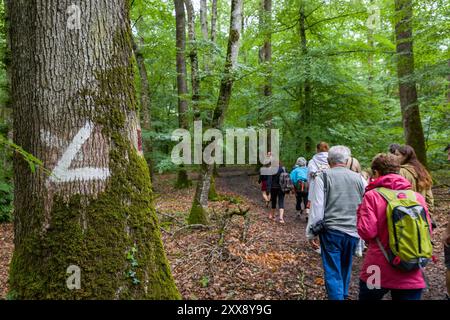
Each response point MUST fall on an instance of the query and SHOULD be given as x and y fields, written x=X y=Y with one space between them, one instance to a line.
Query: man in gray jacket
x=335 y=198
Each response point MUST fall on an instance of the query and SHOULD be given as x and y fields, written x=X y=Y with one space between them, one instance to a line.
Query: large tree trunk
x=198 y=212
x=407 y=85
x=75 y=109
x=182 y=179
x=145 y=99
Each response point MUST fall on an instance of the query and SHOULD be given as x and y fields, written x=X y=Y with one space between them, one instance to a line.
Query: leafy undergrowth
x=246 y=256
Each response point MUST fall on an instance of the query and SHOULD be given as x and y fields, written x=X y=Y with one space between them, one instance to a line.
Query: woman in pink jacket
x=372 y=224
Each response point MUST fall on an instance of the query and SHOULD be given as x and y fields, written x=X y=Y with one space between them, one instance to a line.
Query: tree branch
x=334 y=18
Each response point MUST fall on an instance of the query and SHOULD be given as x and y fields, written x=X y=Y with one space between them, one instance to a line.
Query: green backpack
x=410 y=245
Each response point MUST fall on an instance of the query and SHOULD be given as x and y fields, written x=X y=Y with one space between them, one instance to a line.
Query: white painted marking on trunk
x=62 y=173
x=53 y=141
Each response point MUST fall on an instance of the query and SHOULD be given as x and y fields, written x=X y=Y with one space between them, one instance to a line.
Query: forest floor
x=245 y=257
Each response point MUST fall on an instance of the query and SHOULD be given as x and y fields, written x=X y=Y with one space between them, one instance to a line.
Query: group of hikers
x=385 y=211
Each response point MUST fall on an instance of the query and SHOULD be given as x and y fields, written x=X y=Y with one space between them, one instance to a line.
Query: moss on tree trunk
x=182 y=179
x=104 y=225
x=212 y=195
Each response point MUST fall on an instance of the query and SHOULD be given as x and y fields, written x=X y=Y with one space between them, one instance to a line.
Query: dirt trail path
x=272 y=261
x=291 y=236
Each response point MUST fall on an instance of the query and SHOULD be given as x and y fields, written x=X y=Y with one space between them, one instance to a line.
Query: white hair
x=301 y=162
x=339 y=154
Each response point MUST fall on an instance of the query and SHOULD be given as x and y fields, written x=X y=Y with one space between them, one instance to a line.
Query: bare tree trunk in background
x=265 y=58
x=181 y=63
x=214 y=21
x=193 y=55
x=198 y=212
x=75 y=109
x=204 y=19
x=448 y=92
x=182 y=179
x=412 y=125
x=370 y=58
x=306 y=90
x=145 y=100
x=204 y=30
x=267 y=47
x=226 y=84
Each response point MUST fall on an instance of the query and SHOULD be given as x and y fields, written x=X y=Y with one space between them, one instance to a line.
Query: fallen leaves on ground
x=258 y=258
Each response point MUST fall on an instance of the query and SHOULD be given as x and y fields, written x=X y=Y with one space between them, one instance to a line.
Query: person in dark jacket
x=276 y=194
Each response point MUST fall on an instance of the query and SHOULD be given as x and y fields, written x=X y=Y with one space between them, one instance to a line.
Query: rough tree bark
x=199 y=208
x=75 y=109
x=145 y=99
x=412 y=124
x=214 y=21
x=182 y=179
x=227 y=81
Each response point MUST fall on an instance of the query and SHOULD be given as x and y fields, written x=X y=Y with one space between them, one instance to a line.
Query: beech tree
x=409 y=103
x=180 y=13
x=144 y=98
x=198 y=213
x=73 y=95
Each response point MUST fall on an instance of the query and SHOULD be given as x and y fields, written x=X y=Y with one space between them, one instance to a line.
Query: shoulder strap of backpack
x=383 y=250
x=391 y=195
x=388 y=194
x=325 y=192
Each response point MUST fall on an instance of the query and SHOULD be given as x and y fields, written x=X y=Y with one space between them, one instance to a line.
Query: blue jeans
x=337 y=250
x=397 y=294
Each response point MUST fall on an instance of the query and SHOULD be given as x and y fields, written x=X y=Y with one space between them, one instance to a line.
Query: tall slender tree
x=193 y=55
x=213 y=20
x=409 y=103
x=144 y=98
x=306 y=87
x=265 y=55
x=75 y=109
x=198 y=213
x=204 y=18
x=180 y=18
